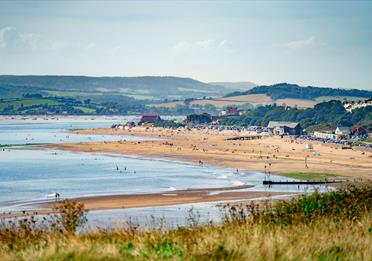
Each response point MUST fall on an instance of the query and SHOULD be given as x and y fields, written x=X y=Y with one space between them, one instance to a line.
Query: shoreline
x=166 y=198
x=211 y=147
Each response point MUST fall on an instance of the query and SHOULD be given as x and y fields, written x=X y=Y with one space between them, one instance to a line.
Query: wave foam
x=237 y=183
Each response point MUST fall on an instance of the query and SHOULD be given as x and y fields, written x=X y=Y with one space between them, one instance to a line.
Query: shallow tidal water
x=30 y=174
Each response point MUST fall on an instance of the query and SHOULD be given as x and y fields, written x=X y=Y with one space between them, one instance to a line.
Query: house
x=359 y=132
x=325 y=135
x=203 y=118
x=352 y=105
x=232 y=111
x=149 y=118
x=343 y=132
x=284 y=128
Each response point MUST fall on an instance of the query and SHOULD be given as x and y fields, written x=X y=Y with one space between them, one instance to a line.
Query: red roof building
x=149 y=118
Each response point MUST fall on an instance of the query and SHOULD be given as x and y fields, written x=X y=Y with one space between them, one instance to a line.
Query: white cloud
x=300 y=44
x=203 y=46
x=12 y=40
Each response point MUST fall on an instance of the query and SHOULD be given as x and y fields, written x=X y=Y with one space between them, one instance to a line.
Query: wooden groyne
x=304 y=182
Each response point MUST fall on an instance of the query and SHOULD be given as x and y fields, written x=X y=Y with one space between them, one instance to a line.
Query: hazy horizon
x=325 y=44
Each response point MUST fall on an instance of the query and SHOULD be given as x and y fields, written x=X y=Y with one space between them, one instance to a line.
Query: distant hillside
x=281 y=94
x=294 y=91
x=243 y=86
x=141 y=88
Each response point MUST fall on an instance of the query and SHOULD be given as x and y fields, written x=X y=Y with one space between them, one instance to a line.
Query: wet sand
x=279 y=155
x=166 y=198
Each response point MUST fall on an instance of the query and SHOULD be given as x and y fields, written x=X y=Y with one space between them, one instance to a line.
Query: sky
x=309 y=43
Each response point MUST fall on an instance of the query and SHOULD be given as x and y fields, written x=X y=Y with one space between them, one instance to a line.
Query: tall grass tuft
x=70 y=215
x=348 y=202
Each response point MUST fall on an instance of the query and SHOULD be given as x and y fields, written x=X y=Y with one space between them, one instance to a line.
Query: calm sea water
x=31 y=174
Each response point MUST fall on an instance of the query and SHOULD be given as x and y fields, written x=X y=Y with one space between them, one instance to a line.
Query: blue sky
x=309 y=43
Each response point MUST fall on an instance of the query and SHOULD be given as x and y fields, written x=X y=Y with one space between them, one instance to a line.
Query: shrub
x=70 y=215
x=348 y=202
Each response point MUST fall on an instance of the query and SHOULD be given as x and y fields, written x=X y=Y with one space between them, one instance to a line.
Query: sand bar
x=166 y=198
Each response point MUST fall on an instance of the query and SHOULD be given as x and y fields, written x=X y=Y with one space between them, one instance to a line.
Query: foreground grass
x=310 y=175
x=332 y=226
x=322 y=240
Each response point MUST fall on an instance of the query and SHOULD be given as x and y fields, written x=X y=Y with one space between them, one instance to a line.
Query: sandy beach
x=276 y=155
x=211 y=147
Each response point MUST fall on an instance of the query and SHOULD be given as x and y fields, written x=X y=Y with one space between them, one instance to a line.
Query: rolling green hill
x=294 y=91
x=98 y=88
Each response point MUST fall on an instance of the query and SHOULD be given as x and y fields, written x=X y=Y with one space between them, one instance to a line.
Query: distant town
x=347 y=135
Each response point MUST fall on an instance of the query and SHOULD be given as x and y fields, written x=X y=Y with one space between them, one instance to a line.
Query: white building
x=325 y=135
x=352 y=105
x=343 y=131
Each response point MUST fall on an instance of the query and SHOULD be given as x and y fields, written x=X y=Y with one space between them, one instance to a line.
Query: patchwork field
x=72 y=93
x=217 y=103
x=168 y=104
x=254 y=99
x=296 y=103
x=257 y=99
x=251 y=98
x=17 y=103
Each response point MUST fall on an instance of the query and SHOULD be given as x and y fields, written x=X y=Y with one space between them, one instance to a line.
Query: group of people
x=125 y=170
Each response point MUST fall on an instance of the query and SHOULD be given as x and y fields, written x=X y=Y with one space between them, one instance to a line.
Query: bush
x=70 y=215
x=349 y=202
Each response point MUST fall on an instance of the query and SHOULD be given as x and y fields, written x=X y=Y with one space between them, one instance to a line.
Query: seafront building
x=328 y=135
x=343 y=132
x=284 y=128
x=149 y=118
x=339 y=133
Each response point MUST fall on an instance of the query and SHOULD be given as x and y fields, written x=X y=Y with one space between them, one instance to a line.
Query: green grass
x=73 y=93
x=368 y=140
x=135 y=91
x=17 y=103
x=310 y=175
x=85 y=109
x=192 y=90
x=140 y=97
